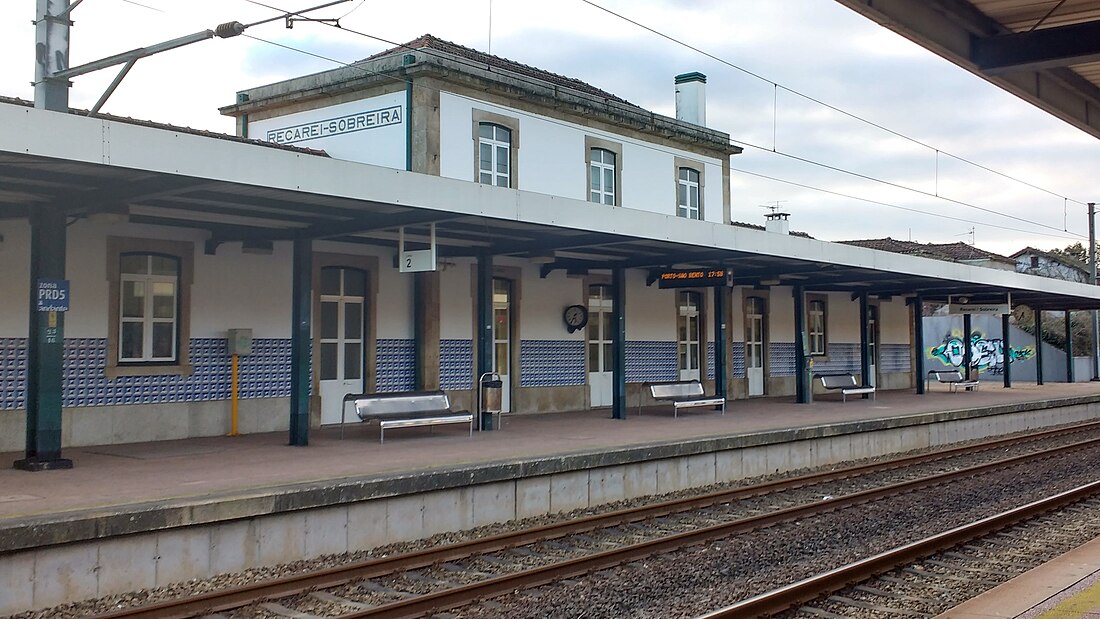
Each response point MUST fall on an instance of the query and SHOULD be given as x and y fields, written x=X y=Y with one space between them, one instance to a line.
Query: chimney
x=691 y=98
x=778 y=223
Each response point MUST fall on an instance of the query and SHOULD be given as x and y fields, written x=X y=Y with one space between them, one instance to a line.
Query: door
x=689 y=335
x=754 y=344
x=599 y=345
x=340 y=362
x=502 y=338
x=872 y=341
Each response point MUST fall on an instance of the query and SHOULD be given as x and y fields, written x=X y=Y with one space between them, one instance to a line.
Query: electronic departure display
x=695 y=278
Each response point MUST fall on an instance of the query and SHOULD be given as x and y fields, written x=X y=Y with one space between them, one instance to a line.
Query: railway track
x=420 y=583
x=831 y=594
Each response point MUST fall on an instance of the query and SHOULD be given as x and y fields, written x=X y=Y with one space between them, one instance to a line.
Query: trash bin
x=492 y=390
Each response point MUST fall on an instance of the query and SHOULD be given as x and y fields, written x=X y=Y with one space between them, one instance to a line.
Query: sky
x=770 y=66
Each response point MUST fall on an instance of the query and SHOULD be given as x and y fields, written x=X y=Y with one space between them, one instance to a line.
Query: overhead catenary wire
x=794 y=183
x=829 y=106
x=808 y=161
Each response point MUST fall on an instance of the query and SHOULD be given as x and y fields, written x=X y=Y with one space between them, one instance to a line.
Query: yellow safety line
x=1075 y=606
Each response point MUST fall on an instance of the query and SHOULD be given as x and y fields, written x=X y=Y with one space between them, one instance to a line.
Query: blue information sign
x=53 y=295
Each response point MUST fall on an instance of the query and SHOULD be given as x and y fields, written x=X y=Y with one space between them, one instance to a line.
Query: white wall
x=355 y=131
x=551 y=159
x=15 y=258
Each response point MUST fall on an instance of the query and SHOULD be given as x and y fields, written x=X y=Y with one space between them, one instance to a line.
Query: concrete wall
x=241 y=534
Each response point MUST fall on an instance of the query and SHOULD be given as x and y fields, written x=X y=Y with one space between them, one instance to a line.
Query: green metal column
x=484 y=335
x=45 y=347
x=1069 y=347
x=301 y=304
x=1006 y=350
x=968 y=350
x=720 y=336
x=864 y=341
x=618 y=343
x=803 y=385
x=918 y=342
x=1038 y=347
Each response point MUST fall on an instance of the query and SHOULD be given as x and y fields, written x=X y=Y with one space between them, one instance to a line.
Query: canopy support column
x=45 y=346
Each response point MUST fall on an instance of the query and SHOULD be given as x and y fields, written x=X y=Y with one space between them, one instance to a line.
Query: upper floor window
x=815 y=326
x=494 y=155
x=148 y=308
x=602 y=175
x=687 y=194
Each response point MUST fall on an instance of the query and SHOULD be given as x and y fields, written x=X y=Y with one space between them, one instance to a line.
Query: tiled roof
x=428 y=41
x=1060 y=258
x=741 y=224
x=951 y=252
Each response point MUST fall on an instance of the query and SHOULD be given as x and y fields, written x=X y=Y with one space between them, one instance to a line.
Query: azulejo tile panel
x=263 y=374
x=710 y=360
x=781 y=359
x=13 y=372
x=396 y=365
x=895 y=358
x=738 y=359
x=551 y=363
x=651 y=361
x=456 y=367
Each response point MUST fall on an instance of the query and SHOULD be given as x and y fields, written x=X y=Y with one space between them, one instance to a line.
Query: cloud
x=814 y=47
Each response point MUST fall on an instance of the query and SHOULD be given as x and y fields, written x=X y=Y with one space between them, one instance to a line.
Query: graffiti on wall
x=985 y=354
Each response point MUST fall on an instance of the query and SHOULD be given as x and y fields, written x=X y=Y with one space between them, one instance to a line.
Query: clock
x=575 y=317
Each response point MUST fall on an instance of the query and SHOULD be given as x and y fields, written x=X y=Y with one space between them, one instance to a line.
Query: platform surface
x=106 y=477
x=1065 y=588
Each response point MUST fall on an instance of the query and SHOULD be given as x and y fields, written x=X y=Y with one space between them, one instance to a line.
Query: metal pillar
x=918 y=342
x=484 y=335
x=300 y=307
x=968 y=350
x=1006 y=350
x=1038 y=347
x=864 y=342
x=803 y=386
x=1095 y=352
x=52 y=43
x=45 y=347
x=618 y=343
x=1069 y=347
x=720 y=336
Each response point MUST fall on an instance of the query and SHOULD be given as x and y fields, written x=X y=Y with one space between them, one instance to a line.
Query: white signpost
x=416 y=260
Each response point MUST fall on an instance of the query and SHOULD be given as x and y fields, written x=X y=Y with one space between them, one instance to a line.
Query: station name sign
x=349 y=123
x=979 y=308
x=693 y=278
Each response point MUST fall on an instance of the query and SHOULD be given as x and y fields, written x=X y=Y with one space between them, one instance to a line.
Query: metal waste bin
x=490 y=394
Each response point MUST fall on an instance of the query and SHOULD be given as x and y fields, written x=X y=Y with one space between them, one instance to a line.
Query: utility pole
x=52 y=54
x=1092 y=279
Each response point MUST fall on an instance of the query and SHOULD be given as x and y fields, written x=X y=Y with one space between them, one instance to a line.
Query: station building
x=422 y=219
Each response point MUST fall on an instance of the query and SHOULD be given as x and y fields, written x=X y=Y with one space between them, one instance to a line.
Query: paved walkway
x=1066 y=588
x=216 y=467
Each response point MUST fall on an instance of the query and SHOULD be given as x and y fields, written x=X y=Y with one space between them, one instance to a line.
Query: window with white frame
x=148 y=308
x=494 y=155
x=687 y=194
x=602 y=175
x=816 y=311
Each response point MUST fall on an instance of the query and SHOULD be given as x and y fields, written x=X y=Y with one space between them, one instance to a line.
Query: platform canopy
x=1047 y=52
x=238 y=191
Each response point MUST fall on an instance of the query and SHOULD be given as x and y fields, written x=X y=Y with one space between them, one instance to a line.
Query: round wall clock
x=575 y=317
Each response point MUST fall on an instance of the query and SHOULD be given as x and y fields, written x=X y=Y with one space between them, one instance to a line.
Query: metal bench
x=685 y=394
x=846 y=384
x=952 y=378
x=407 y=409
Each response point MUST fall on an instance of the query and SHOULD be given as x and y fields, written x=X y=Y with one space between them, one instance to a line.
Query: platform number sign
x=53 y=295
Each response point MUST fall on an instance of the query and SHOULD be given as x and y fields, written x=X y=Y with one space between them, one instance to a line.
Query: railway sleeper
x=325 y=596
x=847 y=601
